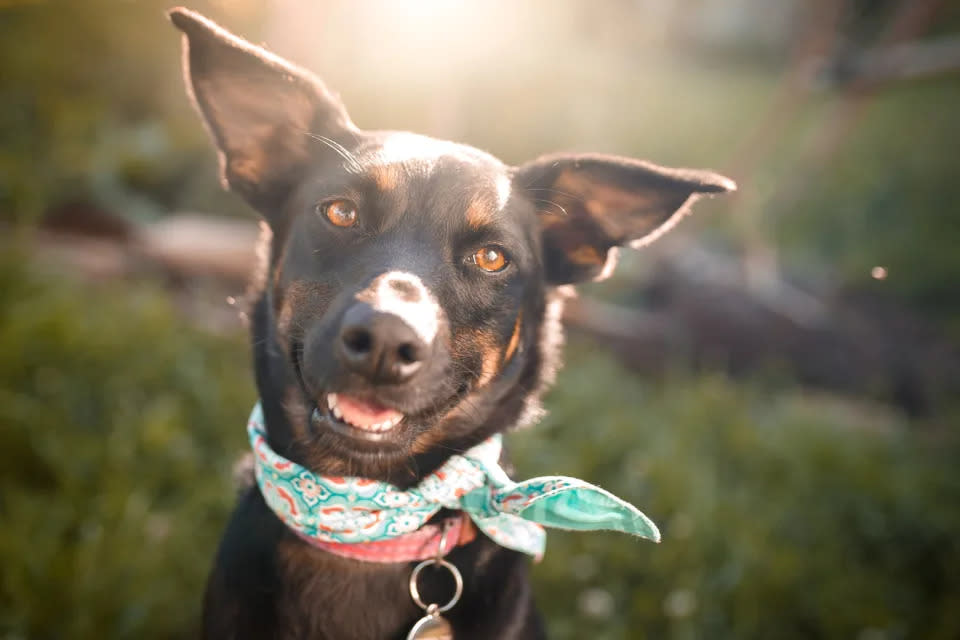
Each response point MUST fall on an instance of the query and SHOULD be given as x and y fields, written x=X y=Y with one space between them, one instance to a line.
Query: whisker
x=572 y=196
x=555 y=204
x=351 y=162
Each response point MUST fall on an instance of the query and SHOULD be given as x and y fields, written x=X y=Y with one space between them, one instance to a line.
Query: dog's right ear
x=260 y=110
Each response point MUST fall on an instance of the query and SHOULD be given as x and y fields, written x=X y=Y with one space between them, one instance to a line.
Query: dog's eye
x=341 y=213
x=490 y=259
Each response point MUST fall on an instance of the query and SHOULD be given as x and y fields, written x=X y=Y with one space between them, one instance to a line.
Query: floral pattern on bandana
x=351 y=510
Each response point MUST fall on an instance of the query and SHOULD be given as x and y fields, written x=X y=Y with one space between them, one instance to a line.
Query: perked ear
x=260 y=109
x=590 y=204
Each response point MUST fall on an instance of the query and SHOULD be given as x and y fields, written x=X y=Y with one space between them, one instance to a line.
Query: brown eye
x=490 y=259
x=341 y=213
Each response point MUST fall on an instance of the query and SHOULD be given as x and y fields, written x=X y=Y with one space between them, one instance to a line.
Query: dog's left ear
x=591 y=204
x=259 y=108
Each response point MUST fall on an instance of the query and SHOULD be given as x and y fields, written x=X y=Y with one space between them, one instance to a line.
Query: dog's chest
x=323 y=596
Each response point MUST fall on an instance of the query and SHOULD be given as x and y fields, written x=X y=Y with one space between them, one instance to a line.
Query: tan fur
x=514 y=339
x=386 y=177
x=479 y=213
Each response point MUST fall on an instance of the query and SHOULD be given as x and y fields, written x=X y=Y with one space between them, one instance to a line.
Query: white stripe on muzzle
x=404 y=295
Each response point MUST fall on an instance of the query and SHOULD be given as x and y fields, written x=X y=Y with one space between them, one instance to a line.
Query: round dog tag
x=431 y=627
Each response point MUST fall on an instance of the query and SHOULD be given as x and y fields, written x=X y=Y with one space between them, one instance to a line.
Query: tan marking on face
x=386 y=177
x=489 y=366
x=479 y=213
x=514 y=339
x=469 y=343
x=586 y=255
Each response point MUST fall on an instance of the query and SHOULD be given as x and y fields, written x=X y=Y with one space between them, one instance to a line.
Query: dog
x=408 y=309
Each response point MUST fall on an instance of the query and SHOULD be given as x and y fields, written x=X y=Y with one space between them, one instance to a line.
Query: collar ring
x=415 y=591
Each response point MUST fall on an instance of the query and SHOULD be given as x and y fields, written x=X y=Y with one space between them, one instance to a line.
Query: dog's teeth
x=348 y=417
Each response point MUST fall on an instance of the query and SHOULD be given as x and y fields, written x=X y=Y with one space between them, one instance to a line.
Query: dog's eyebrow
x=386 y=177
x=484 y=206
x=479 y=213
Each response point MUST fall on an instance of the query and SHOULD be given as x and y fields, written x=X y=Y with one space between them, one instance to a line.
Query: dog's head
x=407 y=305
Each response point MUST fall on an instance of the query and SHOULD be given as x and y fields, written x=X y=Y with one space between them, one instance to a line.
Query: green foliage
x=115 y=426
x=784 y=515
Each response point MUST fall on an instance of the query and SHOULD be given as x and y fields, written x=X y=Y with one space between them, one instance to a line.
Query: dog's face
x=401 y=287
x=410 y=280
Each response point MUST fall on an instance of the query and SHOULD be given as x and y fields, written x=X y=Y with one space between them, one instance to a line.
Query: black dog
x=408 y=309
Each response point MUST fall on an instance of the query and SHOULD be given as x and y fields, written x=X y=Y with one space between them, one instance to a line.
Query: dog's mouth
x=370 y=420
x=358 y=418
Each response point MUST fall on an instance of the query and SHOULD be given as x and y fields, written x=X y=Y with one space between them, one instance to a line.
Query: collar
x=432 y=540
x=333 y=511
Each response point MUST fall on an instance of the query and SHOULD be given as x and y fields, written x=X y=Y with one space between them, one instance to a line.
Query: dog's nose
x=380 y=346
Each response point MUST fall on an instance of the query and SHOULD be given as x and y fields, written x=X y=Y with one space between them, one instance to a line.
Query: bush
x=118 y=428
x=784 y=515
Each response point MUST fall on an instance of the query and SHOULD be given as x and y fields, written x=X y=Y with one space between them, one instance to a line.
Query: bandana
x=336 y=509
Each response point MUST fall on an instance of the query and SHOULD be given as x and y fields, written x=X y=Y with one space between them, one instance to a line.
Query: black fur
x=426 y=209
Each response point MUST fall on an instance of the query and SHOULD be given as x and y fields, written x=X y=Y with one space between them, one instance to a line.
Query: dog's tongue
x=366 y=415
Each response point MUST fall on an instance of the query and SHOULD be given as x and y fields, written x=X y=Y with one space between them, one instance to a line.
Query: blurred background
x=775 y=383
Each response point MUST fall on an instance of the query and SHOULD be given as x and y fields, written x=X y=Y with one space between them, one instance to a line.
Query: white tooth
x=331 y=400
x=336 y=412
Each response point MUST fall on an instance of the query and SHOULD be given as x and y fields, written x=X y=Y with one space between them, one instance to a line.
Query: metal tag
x=431 y=627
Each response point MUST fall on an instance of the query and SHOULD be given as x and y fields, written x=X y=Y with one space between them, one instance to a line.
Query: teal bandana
x=352 y=510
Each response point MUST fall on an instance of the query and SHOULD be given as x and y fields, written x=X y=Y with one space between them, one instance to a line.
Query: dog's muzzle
x=386 y=345
x=380 y=347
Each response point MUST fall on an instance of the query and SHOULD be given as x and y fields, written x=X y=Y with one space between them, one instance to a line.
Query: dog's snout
x=380 y=346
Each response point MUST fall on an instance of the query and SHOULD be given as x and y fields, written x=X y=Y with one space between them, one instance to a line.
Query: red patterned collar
x=415 y=546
